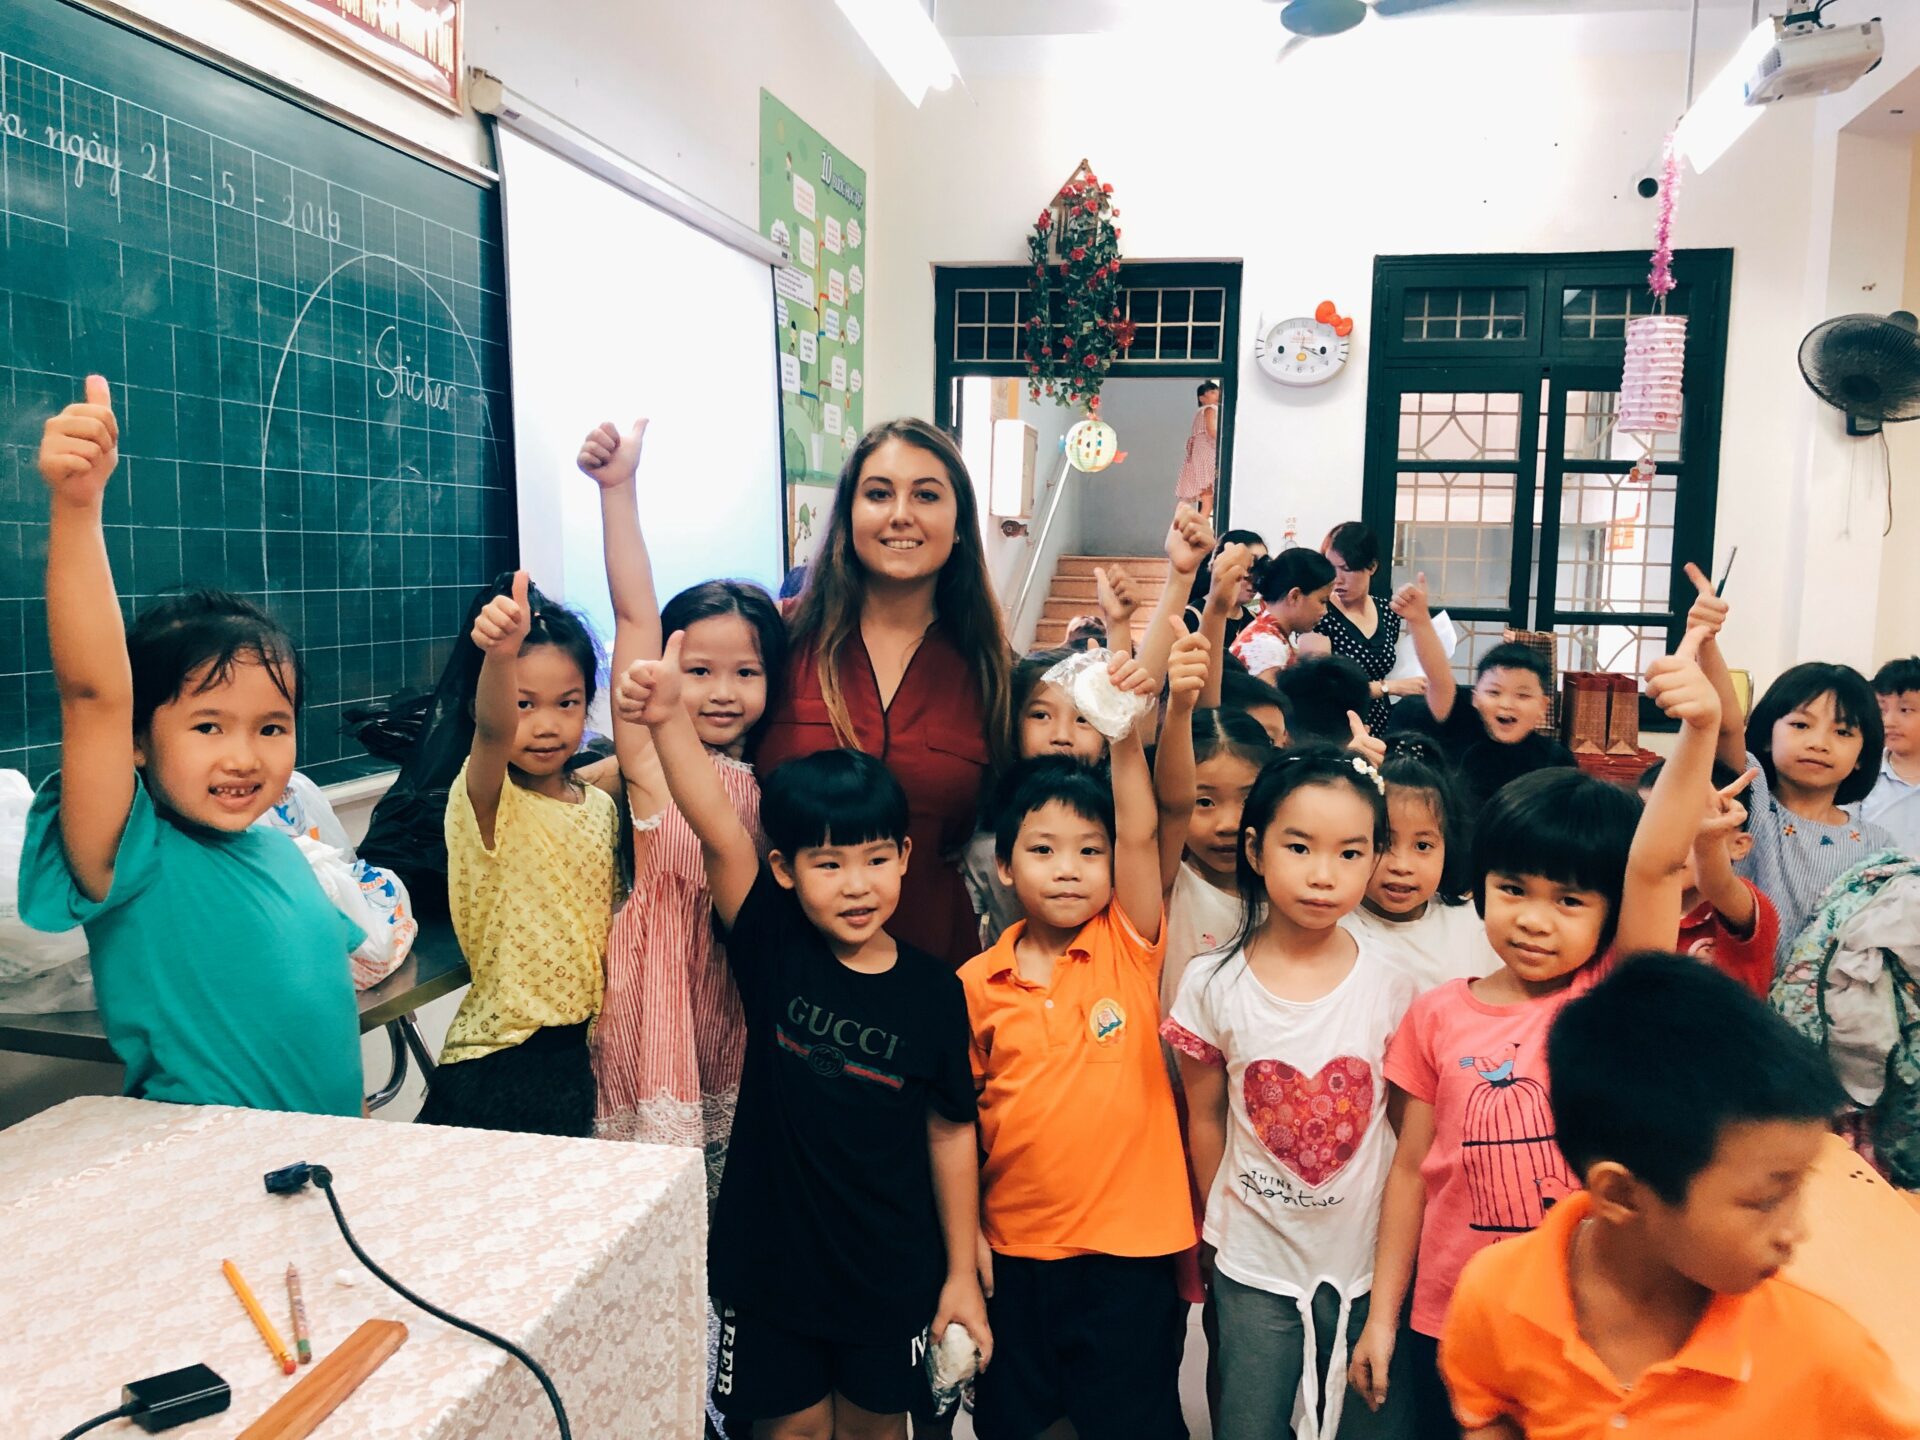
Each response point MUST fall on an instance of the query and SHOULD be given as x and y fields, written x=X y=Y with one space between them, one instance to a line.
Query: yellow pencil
x=259 y=1316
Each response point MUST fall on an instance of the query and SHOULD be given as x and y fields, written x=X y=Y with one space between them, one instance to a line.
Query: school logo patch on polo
x=1106 y=1022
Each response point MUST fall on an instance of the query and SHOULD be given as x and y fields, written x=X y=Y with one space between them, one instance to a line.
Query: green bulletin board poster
x=813 y=200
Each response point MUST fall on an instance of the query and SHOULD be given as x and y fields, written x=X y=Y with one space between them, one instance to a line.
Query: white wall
x=1434 y=134
x=1898 y=630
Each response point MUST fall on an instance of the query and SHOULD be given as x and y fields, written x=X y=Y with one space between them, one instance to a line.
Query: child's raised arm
x=1174 y=777
x=1713 y=873
x=499 y=631
x=1136 y=828
x=1709 y=613
x=1189 y=542
x=611 y=460
x=1117 y=600
x=1230 y=567
x=1411 y=605
x=78 y=451
x=649 y=694
x=1655 y=880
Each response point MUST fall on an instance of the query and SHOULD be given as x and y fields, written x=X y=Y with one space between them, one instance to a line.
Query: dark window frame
x=1543 y=360
x=1225 y=275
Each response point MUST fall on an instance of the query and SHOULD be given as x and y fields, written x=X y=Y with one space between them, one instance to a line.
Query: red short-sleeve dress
x=933 y=737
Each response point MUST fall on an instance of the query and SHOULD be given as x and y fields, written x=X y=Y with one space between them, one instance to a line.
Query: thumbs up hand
x=503 y=624
x=1410 y=601
x=1678 y=685
x=649 y=693
x=1363 y=744
x=610 y=458
x=80 y=446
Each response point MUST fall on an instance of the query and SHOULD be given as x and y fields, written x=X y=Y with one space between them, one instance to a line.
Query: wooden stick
x=322 y=1390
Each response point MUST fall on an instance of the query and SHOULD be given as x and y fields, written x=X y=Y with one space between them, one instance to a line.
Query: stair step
x=1140 y=567
x=1083 y=588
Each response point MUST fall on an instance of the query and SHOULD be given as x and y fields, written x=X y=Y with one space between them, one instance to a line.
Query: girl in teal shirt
x=220 y=964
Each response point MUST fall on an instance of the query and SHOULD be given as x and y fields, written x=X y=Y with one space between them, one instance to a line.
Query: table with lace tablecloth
x=117 y=1213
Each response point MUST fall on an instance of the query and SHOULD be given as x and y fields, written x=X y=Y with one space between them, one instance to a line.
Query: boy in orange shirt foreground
x=1650 y=1304
x=1085 y=1203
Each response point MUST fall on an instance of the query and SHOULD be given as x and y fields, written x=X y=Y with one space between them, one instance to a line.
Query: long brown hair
x=965 y=609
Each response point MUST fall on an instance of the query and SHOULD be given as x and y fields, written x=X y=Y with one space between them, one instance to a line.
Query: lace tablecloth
x=115 y=1215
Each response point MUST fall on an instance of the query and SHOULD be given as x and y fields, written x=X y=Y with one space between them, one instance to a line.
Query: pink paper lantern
x=1650 y=388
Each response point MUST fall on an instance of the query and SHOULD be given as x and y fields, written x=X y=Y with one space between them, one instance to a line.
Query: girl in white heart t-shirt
x=1281 y=1042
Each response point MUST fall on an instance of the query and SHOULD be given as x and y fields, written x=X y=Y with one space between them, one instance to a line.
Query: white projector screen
x=616 y=309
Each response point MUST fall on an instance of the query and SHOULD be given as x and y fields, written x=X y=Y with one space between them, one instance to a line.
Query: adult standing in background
x=1368 y=634
x=899 y=650
x=1202 y=466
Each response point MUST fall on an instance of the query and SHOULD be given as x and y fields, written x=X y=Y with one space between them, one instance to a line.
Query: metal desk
x=434 y=968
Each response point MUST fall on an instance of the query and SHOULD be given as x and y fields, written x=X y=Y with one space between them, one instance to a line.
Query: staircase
x=1072 y=593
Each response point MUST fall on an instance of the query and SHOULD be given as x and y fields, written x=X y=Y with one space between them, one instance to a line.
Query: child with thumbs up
x=530 y=880
x=668 y=1047
x=220 y=964
x=1568 y=872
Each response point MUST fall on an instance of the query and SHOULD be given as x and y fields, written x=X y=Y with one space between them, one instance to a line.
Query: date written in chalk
x=94 y=160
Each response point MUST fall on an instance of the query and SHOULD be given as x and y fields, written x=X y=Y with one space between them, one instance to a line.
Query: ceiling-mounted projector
x=1809 y=58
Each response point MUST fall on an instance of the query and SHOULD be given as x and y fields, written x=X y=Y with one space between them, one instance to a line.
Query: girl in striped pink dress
x=667 y=1046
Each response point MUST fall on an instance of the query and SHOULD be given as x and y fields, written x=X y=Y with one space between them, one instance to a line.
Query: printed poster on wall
x=813 y=200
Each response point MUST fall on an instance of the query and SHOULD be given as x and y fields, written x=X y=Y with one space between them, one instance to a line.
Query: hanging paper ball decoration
x=1092 y=446
x=1650 y=388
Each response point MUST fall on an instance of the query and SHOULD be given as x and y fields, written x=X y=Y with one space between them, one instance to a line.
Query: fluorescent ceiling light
x=1721 y=115
x=903 y=38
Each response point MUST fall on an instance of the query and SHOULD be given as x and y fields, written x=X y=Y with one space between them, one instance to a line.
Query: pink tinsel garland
x=1660 y=279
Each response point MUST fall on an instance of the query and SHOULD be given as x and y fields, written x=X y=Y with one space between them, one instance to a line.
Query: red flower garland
x=1068 y=359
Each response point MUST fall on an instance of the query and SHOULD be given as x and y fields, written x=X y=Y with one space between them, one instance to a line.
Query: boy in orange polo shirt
x=1085 y=1201
x=1650 y=1305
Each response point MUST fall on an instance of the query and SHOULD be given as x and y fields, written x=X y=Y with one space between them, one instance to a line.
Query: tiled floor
x=1193 y=1387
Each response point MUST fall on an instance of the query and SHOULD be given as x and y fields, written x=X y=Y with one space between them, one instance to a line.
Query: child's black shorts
x=1094 y=1338
x=766 y=1370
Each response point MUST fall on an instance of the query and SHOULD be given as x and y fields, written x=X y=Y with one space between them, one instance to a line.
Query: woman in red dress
x=899 y=650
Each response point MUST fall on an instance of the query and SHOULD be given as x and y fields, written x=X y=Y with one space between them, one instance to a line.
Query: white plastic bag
x=374 y=899
x=952 y=1361
x=27 y=954
x=1083 y=676
x=303 y=809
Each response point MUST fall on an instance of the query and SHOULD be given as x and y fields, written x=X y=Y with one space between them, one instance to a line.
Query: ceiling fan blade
x=1322 y=17
x=1390 y=8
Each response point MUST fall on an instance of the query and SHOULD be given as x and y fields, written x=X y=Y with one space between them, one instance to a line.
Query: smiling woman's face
x=905 y=513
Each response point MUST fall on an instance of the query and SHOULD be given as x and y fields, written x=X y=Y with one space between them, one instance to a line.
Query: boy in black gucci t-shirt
x=847 y=1216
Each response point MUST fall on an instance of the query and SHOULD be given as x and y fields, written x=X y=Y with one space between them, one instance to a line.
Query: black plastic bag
x=389 y=728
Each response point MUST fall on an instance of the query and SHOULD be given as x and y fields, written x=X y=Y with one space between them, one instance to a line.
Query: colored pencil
x=301 y=1342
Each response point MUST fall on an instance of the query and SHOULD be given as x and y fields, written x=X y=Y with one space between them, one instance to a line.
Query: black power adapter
x=161 y=1402
x=176 y=1397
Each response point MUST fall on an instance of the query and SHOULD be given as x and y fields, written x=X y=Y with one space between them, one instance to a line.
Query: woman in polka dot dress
x=1364 y=632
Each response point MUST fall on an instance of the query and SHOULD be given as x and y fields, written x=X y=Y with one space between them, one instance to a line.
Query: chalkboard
x=305 y=330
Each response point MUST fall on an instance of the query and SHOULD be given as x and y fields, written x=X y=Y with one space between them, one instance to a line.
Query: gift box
x=1601 y=713
x=1584 y=697
x=1623 y=717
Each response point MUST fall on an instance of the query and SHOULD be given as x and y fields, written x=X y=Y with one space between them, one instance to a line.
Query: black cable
x=132 y=1407
x=323 y=1178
